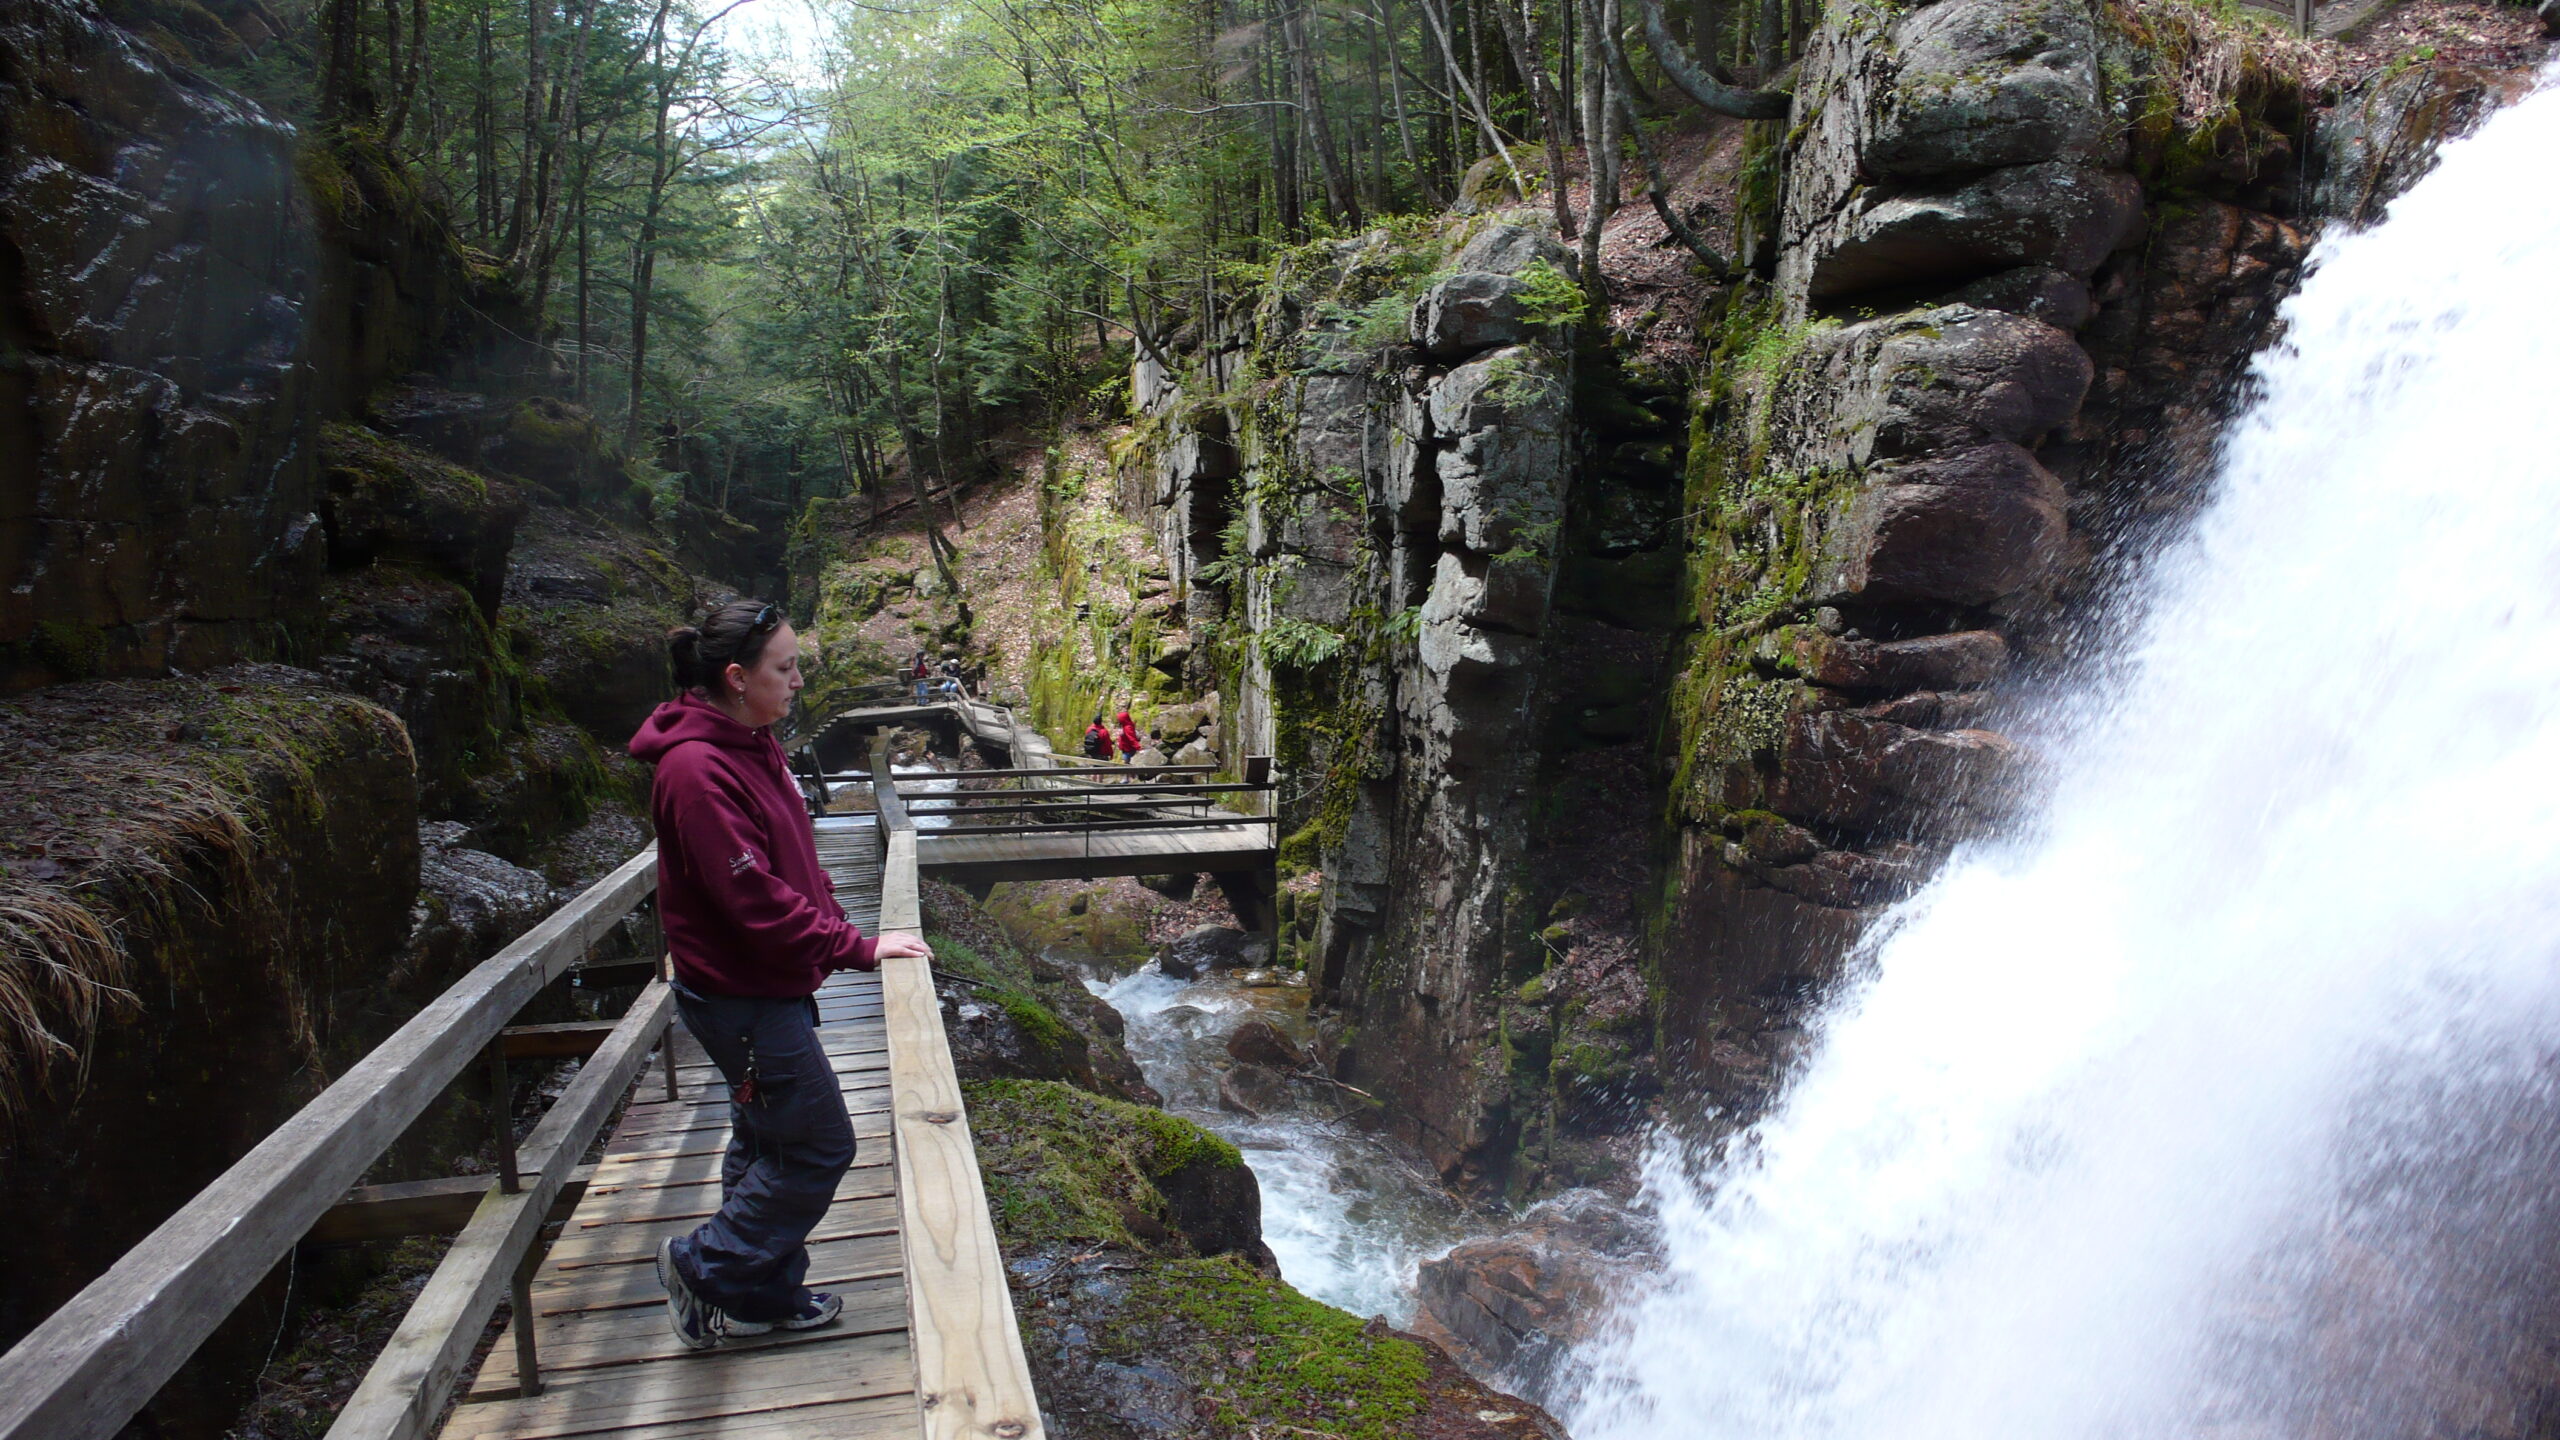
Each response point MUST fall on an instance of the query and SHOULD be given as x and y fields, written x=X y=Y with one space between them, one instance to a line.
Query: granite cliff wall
x=1617 y=693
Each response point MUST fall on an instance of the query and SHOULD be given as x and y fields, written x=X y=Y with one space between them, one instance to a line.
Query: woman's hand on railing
x=892 y=946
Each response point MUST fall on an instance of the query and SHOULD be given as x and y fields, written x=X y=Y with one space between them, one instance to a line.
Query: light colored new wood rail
x=971 y=1378
x=404 y=1392
x=99 y=1359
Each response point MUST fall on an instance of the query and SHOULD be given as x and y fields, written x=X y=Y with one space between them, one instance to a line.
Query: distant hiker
x=752 y=923
x=1130 y=744
x=951 y=676
x=1097 y=741
x=922 y=672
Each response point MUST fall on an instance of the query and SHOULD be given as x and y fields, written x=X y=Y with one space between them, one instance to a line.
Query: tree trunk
x=1343 y=199
x=1525 y=55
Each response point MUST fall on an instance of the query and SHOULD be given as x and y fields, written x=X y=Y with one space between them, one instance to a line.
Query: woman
x=753 y=925
x=1130 y=744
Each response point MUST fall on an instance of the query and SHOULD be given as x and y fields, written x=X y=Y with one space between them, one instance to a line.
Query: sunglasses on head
x=767 y=618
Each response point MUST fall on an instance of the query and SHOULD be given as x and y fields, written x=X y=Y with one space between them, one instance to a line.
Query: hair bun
x=684 y=654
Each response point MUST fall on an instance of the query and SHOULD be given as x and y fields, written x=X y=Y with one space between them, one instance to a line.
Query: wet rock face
x=1515 y=1305
x=156 y=341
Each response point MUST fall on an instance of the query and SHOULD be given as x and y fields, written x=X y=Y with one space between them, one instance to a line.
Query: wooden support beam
x=618 y=972
x=405 y=1391
x=421 y=1207
x=572 y=1040
x=93 y=1363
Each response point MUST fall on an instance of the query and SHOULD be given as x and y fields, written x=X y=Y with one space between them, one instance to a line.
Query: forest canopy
x=967 y=211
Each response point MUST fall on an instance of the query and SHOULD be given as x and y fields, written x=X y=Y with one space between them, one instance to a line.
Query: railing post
x=520 y=1295
x=667 y=1046
x=502 y=1118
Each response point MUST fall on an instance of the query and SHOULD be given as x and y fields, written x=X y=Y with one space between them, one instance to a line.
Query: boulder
x=2056 y=215
x=1505 y=249
x=382 y=500
x=1198 y=752
x=1173 y=887
x=1969 y=528
x=1178 y=725
x=1516 y=1303
x=455 y=424
x=1255 y=1090
x=1468 y=312
x=1979 y=84
x=556 y=445
x=470 y=903
x=1259 y=1042
x=1214 y=947
x=1926 y=381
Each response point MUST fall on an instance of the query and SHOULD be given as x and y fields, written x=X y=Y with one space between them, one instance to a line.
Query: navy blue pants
x=788 y=1146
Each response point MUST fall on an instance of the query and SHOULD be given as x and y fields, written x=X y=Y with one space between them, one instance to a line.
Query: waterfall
x=2224 y=1100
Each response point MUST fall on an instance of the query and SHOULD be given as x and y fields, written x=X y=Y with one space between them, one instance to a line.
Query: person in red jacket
x=752 y=923
x=1130 y=744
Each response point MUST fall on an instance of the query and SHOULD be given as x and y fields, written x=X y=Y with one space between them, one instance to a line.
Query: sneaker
x=816 y=1309
x=693 y=1319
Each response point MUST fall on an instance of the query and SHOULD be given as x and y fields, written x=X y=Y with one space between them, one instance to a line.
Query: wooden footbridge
x=566 y=1232
x=1042 y=819
x=926 y=1347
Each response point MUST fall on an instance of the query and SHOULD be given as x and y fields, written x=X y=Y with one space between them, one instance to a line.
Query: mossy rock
x=384 y=500
x=1064 y=1166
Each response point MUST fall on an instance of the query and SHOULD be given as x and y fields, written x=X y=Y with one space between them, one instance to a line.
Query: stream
x=1349 y=1215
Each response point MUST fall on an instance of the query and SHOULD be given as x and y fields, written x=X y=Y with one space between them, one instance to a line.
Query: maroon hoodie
x=746 y=908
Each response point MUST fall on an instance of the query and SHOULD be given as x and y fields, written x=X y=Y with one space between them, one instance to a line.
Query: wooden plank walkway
x=960 y=857
x=609 y=1364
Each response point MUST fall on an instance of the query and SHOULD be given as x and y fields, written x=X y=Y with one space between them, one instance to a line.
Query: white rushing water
x=2222 y=1103
x=1348 y=1215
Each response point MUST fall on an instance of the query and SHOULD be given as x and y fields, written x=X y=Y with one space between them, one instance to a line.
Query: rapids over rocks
x=2223 y=1100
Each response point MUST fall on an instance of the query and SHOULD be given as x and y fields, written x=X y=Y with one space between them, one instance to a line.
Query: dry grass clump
x=133 y=810
x=2211 y=63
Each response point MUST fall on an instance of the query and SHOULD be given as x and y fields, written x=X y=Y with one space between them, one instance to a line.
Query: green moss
x=70 y=648
x=1064 y=1166
x=1272 y=1361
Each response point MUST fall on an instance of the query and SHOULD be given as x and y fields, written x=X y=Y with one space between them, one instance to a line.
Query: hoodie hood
x=688 y=717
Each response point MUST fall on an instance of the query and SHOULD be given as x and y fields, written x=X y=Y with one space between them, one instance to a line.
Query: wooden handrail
x=892 y=805
x=1134 y=789
x=404 y=1392
x=1168 y=822
x=971 y=1378
x=1068 y=772
x=100 y=1358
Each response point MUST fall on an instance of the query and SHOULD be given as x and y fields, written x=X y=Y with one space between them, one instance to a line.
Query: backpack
x=1097 y=745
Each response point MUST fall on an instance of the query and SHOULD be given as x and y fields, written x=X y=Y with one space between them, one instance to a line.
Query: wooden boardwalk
x=964 y=858
x=1184 y=847
x=609 y=1364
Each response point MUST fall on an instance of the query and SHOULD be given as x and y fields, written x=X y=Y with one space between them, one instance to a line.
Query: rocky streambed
x=1349 y=1213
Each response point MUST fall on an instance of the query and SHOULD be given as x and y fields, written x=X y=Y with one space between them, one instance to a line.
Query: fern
x=1299 y=644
